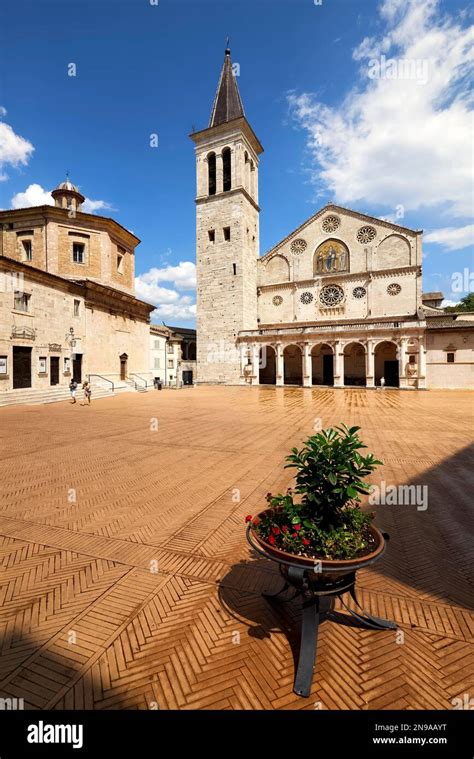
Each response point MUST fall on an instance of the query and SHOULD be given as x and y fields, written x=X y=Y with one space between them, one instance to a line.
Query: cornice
x=222 y=195
x=61 y=216
x=332 y=278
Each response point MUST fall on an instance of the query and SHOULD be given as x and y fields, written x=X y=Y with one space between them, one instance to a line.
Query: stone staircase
x=51 y=395
x=137 y=386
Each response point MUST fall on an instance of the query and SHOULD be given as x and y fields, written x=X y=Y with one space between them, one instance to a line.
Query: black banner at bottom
x=137 y=733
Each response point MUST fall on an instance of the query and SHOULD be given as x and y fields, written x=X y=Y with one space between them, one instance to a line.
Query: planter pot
x=324 y=572
x=317 y=583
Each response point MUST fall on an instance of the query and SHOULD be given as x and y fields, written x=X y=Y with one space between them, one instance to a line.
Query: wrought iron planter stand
x=317 y=602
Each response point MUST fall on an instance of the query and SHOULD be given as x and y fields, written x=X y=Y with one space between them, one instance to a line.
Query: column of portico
x=307 y=365
x=338 y=364
x=219 y=173
x=256 y=363
x=370 y=364
x=280 y=368
x=402 y=363
x=243 y=357
x=421 y=363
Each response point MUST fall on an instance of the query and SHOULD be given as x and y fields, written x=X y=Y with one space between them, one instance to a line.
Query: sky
x=365 y=103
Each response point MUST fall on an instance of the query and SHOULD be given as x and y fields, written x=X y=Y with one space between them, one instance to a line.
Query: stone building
x=67 y=302
x=173 y=354
x=337 y=302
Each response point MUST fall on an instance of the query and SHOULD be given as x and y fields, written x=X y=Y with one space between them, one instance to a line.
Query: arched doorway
x=354 y=364
x=386 y=364
x=123 y=366
x=293 y=365
x=267 y=365
x=322 y=365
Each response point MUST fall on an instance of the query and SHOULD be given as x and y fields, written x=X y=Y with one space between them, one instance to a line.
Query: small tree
x=326 y=520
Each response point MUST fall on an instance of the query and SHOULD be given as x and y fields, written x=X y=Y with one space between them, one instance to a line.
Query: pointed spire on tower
x=227 y=103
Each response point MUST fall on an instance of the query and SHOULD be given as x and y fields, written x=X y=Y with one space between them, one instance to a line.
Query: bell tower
x=227 y=233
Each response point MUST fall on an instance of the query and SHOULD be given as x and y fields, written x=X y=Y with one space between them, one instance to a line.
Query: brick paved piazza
x=85 y=620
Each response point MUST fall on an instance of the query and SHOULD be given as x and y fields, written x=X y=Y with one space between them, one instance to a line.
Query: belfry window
x=211 y=161
x=226 y=168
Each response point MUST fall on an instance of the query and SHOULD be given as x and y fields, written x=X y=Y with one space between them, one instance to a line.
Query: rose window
x=359 y=292
x=331 y=295
x=306 y=298
x=277 y=300
x=331 y=223
x=298 y=246
x=394 y=289
x=366 y=234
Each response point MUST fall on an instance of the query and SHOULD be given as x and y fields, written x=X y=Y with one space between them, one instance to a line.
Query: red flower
x=271 y=540
x=295 y=535
x=284 y=528
x=306 y=542
x=297 y=527
x=248 y=518
x=276 y=530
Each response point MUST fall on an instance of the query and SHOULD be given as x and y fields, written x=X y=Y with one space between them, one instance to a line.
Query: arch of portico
x=322 y=364
x=267 y=365
x=355 y=364
x=292 y=365
x=355 y=361
x=387 y=363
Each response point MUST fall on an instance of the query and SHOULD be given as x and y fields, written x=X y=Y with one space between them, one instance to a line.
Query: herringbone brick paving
x=126 y=580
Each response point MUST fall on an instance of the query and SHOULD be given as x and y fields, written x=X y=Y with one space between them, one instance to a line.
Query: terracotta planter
x=329 y=570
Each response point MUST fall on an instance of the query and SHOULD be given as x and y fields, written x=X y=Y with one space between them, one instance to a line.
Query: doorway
x=386 y=364
x=21 y=367
x=123 y=366
x=328 y=369
x=187 y=377
x=77 y=368
x=391 y=373
x=293 y=365
x=267 y=365
x=54 y=370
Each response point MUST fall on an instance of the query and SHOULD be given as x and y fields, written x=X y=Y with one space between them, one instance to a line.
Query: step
x=29 y=396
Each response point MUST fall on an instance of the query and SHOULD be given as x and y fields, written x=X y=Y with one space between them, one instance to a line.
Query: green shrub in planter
x=321 y=517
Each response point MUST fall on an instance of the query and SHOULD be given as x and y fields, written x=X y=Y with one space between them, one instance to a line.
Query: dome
x=67 y=195
x=67 y=185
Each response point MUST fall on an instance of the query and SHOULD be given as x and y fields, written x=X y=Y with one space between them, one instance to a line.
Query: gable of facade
x=340 y=264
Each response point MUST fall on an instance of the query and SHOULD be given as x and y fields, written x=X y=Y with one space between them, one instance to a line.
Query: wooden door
x=54 y=370
x=21 y=366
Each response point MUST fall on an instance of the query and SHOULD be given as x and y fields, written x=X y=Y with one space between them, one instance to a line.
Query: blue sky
x=394 y=143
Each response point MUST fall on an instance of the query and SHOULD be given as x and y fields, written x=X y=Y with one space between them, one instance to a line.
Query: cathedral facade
x=337 y=302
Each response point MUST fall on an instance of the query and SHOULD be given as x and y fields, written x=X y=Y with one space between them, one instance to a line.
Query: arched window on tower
x=211 y=161
x=226 y=167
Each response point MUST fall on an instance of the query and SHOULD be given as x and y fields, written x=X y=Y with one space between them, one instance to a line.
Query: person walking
x=73 y=390
x=87 y=393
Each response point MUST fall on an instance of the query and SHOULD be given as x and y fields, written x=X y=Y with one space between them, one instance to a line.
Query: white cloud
x=447 y=302
x=170 y=304
x=35 y=195
x=167 y=313
x=452 y=238
x=402 y=140
x=14 y=150
x=183 y=276
x=91 y=206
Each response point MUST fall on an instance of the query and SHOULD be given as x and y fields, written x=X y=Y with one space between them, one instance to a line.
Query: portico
x=390 y=354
